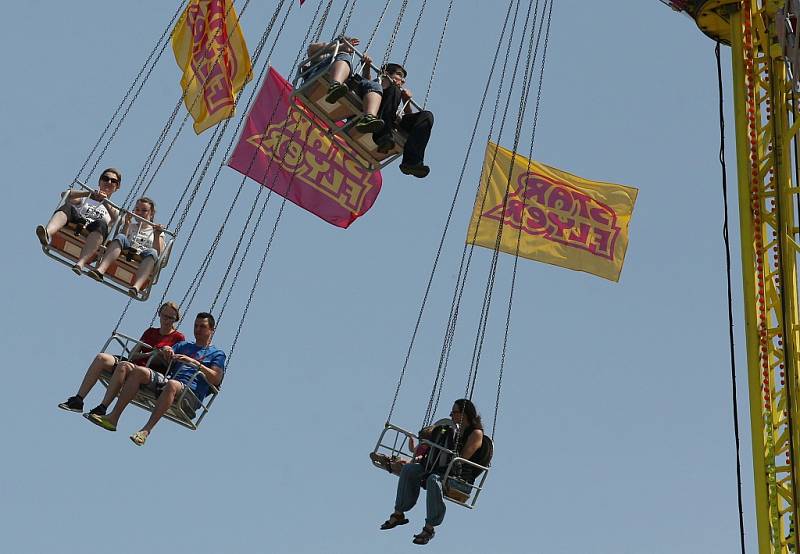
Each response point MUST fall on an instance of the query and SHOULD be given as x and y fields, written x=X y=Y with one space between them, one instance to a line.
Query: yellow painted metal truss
x=767 y=129
x=764 y=38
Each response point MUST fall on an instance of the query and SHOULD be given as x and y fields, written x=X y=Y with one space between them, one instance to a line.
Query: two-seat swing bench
x=65 y=247
x=339 y=119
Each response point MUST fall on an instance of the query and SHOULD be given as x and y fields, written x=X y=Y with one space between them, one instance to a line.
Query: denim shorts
x=125 y=243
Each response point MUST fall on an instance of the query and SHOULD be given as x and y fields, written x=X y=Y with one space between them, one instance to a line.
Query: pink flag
x=283 y=148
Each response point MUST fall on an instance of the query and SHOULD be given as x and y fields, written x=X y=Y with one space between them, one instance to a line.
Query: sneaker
x=73 y=404
x=335 y=91
x=99 y=410
x=76 y=269
x=385 y=145
x=101 y=421
x=133 y=292
x=41 y=233
x=419 y=170
x=369 y=124
x=94 y=274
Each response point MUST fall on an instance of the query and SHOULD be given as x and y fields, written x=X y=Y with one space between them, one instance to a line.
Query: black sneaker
x=385 y=145
x=369 y=124
x=335 y=91
x=419 y=170
x=100 y=409
x=73 y=404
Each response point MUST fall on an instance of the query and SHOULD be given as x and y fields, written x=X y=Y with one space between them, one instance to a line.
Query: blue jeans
x=125 y=243
x=408 y=488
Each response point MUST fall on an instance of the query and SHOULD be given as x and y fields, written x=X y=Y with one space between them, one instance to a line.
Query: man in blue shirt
x=187 y=359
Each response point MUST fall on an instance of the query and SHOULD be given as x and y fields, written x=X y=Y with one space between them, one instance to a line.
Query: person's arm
x=212 y=373
x=75 y=195
x=405 y=95
x=158 y=238
x=316 y=48
x=366 y=70
x=472 y=445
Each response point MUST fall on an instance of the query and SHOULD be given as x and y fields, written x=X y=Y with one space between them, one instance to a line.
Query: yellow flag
x=210 y=49
x=559 y=218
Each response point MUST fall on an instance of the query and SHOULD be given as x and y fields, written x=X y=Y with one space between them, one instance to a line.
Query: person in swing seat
x=192 y=365
x=417 y=125
x=137 y=237
x=470 y=445
x=381 y=100
x=155 y=337
x=91 y=210
x=343 y=79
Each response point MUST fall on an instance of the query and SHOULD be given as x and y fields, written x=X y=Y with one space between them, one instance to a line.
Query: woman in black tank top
x=470 y=444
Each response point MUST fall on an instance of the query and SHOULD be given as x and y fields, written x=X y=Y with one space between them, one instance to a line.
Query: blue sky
x=615 y=426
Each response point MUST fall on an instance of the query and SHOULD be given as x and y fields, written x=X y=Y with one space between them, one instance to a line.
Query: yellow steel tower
x=764 y=44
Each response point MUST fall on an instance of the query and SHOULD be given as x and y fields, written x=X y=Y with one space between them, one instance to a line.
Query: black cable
x=437 y=256
x=726 y=239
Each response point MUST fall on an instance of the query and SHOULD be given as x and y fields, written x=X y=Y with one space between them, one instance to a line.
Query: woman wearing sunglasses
x=89 y=209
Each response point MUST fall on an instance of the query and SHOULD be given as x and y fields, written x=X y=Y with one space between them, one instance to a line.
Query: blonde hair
x=173 y=305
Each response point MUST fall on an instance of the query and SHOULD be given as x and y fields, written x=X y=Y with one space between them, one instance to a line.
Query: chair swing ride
x=337 y=120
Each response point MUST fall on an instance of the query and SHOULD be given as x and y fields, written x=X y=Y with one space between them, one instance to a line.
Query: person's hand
x=128 y=217
x=367 y=59
x=157 y=229
x=405 y=94
x=184 y=359
x=97 y=195
x=167 y=353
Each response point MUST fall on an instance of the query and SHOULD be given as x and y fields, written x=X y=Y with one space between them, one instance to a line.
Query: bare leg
x=102 y=362
x=340 y=71
x=89 y=248
x=116 y=382
x=56 y=222
x=112 y=253
x=165 y=400
x=137 y=376
x=372 y=102
x=143 y=273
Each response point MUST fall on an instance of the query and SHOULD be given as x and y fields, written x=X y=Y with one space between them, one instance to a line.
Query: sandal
x=100 y=421
x=139 y=437
x=133 y=292
x=76 y=269
x=94 y=274
x=393 y=521
x=381 y=460
x=424 y=537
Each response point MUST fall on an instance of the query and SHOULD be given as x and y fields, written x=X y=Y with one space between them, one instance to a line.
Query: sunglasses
x=107 y=179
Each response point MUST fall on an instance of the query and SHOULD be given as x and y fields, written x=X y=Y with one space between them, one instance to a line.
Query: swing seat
x=339 y=118
x=66 y=245
x=186 y=410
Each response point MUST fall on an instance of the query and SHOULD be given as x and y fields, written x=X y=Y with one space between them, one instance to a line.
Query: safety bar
x=471 y=499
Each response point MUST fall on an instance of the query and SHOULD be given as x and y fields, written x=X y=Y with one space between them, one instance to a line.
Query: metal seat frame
x=392 y=446
x=65 y=247
x=311 y=93
x=180 y=411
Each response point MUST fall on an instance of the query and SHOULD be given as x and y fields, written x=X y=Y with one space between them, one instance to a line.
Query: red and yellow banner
x=551 y=215
x=210 y=49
